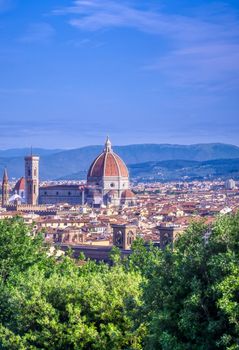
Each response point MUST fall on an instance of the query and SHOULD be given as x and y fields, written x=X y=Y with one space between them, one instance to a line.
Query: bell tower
x=167 y=235
x=123 y=236
x=5 y=189
x=32 y=179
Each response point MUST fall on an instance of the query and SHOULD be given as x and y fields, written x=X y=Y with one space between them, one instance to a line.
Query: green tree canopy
x=186 y=298
x=19 y=248
x=61 y=305
x=192 y=299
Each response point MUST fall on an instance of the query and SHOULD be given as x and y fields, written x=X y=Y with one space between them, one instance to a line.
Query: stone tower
x=123 y=236
x=32 y=179
x=5 y=189
x=167 y=235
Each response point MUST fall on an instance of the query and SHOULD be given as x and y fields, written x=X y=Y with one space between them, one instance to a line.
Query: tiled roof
x=108 y=164
x=20 y=185
x=128 y=194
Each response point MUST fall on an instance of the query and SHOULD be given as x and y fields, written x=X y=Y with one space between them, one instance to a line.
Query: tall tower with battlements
x=32 y=179
x=5 y=189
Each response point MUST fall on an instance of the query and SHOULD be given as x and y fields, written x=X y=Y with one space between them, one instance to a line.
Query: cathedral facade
x=53 y=194
x=108 y=180
x=107 y=184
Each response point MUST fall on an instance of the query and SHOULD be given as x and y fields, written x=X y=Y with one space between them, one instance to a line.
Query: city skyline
x=74 y=71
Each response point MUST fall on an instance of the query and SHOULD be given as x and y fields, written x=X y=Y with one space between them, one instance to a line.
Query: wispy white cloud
x=95 y=14
x=216 y=64
x=99 y=14
x=38 y=32
x=203 y=46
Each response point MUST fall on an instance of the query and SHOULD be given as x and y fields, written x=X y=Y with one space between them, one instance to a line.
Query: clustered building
x=107 y=184
x=92 y=217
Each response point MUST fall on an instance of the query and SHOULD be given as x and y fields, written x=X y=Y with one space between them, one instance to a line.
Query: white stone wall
x=115 y=183
x=107 y=184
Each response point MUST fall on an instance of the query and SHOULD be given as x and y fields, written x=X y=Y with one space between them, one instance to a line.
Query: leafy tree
x=19 y=248
x=70 y=310
x=170 y=300
x=81 y=256
x=191 y=301
x=60 y=305
x=144 y=258
x=115 y=255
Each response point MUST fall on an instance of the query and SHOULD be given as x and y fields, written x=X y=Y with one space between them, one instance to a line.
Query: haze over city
x=141 y=71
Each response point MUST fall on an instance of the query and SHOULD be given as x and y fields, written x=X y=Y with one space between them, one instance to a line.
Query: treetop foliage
x=185 y=298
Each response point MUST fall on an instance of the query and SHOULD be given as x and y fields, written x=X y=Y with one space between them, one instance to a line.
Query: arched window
x=166 y=239
x=130 y=237
x=119 y=238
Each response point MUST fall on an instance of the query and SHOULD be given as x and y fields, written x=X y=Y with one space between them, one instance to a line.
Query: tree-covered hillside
x=183 y=299
x=55 y=164
x=177 y=170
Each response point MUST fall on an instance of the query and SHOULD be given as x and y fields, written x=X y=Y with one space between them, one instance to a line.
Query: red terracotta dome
x=108 y=164
x=128 y=194
x=20 y=185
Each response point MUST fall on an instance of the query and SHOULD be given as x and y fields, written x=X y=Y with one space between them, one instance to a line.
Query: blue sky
x=72 y=72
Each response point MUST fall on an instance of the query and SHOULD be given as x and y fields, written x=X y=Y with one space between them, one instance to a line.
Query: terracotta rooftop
x=128 y=194
x=20 y=185
x=108 y=163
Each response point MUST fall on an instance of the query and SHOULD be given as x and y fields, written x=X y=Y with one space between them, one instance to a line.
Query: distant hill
x=175 y=170
x=55 y=164
x=181 y=169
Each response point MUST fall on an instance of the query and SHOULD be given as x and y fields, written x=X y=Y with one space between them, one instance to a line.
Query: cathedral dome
x=20 y=185
x=128 y=194
x=108 y=164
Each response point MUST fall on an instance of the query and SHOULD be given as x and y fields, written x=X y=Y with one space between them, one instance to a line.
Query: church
x=108 y=180
x=107 y=184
